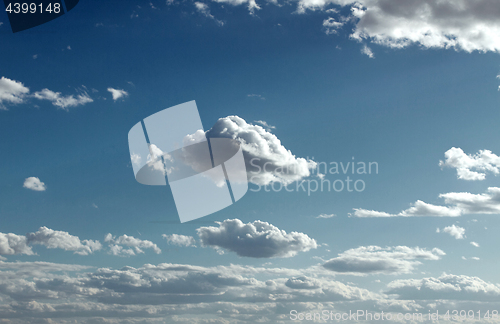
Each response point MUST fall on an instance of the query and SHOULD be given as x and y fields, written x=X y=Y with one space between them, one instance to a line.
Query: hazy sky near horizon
x=410 y=87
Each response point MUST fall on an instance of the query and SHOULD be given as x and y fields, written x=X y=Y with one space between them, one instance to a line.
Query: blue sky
x=399 y=84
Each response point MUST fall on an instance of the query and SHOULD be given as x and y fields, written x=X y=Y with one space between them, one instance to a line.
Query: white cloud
x=205 y=11
x=62 y=240
x=12 y=92
x=11 y=244
x=462 y=25
x=482 y=161
x=451 y=287
x=257 y=239
x=135 y=245
x=474 y=244
x=455 y=231
x=326 y=216
x=180 y=240
x=63 y=102
x=332 y=26
x=256 y=96
x=34 y=183
x=251 y=4
x=367 y=51
x=265 y=124
x=378 y=260
x=461 y=203
x=267 y=160
x=117 y=93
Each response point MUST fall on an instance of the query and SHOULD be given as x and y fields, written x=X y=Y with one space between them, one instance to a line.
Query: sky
x=313 y=86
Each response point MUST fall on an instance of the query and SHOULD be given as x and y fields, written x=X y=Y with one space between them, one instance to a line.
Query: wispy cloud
x=118 y=93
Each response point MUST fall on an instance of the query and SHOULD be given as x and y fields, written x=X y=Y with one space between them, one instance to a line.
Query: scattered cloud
x=33 y=183
x=117 y=93
x=367 y=51
x=63 y=102
x=256 y=96
x=326 y=216
x=455 y=231
x=205 y=11
x=180 y=240
x=469 y=25
x=332 y=26
x=256 y=239
x=377 y=260
x=251 y=4
x=62 y=240
x=12 y=92
x=35 y=56
x=461 y=203
x=267 y=160
x=128 y=245
x=474 y=244
x=451 y=287
x=464 y=163
x=264 y=124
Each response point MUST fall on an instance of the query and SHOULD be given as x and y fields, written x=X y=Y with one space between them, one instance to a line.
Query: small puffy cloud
x=474 y=244
x=332 y=26
x=62 y=240
x=63 y=102
x=257 y=239
x=460 y=203
x=455 y=231
x=33 y=183
x=128 y=245
x=326 y=216
x=451 y=287
x=367 y=51
x=12 y=92
x=471 y=167
x=180 y=240
x=117 y=93
x=266 y=159
x=205 y=11
x=377 y=260
x=11 y=244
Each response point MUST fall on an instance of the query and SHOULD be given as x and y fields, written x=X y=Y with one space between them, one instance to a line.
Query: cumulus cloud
x=205 y=11
x=378 y=260
x=256 y=239
x=463 y=25
x=33 y=183
x=12 y=92
x=471 y=167
x=128 y=245
x=267 y=160
x=117 y=93
x=180 y=240
x=460 y=203
x=63 y=102
x=11 y=244
x=446 y=286
x=62 y=240
x=455 y=231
